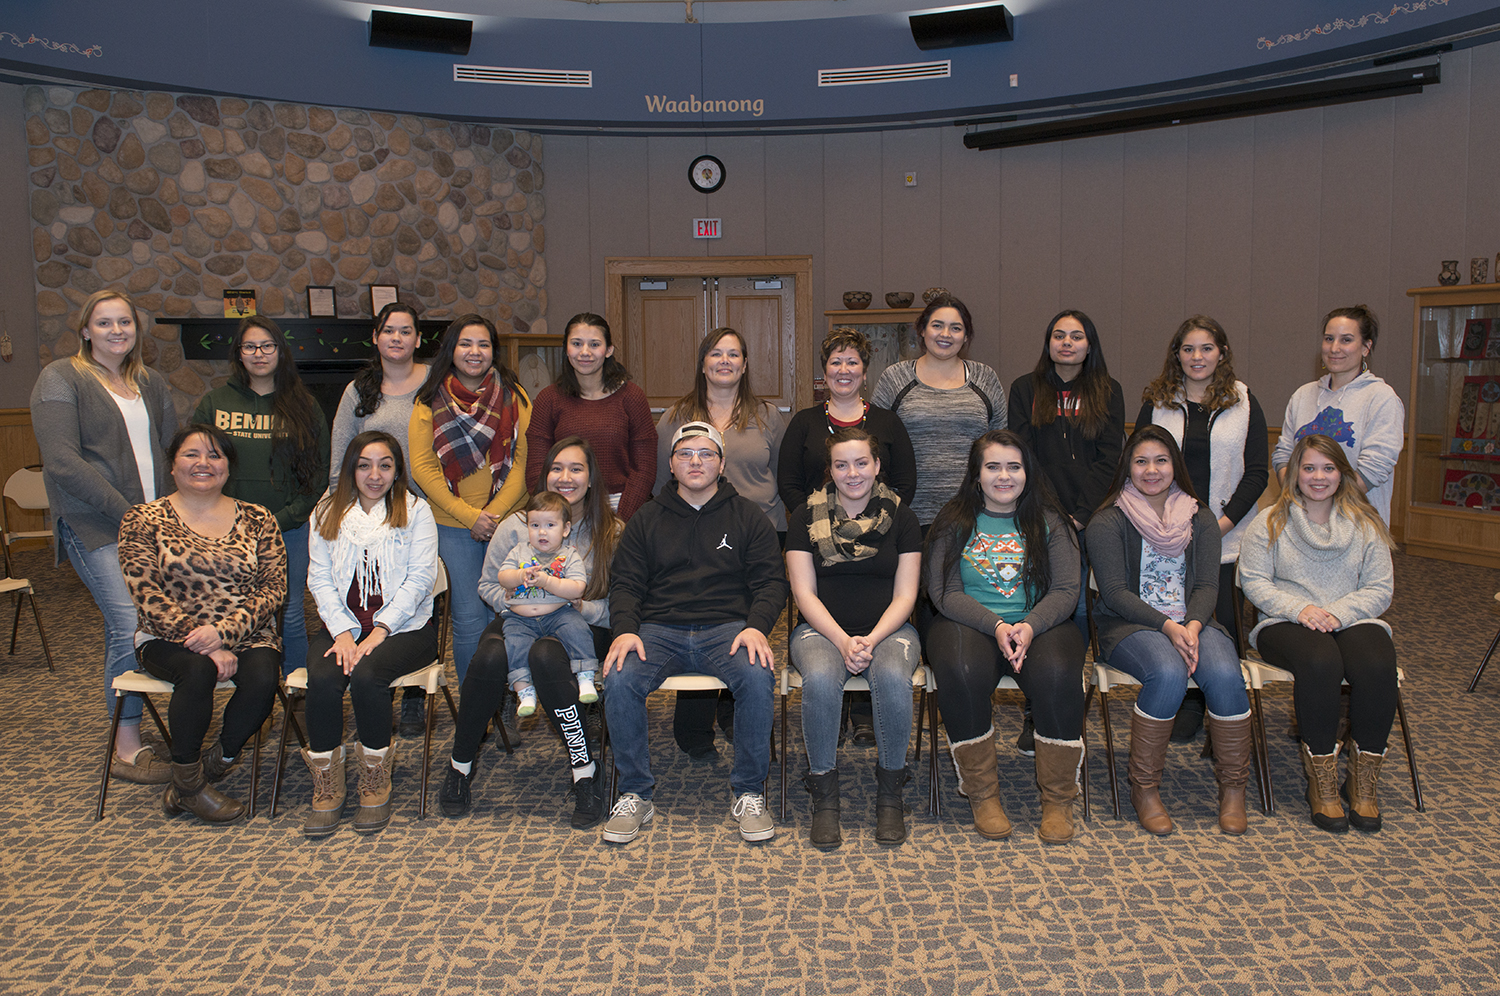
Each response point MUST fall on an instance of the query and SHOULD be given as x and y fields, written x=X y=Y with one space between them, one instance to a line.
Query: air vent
x=886 y=74
x=510 y=76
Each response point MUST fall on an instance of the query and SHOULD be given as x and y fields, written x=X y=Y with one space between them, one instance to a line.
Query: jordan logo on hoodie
x=724 y=543
x=1331 y=423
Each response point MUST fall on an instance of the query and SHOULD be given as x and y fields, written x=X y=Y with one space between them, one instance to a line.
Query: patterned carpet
x=511 y=900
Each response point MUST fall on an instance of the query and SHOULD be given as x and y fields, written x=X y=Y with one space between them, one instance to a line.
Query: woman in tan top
x=208 y=575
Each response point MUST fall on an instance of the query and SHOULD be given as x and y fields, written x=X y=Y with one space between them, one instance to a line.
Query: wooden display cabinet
x=891 y=333
x=1452 y=457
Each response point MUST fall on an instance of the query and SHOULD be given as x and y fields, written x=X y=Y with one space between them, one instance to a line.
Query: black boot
x=890 y=811
x=413 y=713
x=824 y=788
x=191 y=793
x=585 y=803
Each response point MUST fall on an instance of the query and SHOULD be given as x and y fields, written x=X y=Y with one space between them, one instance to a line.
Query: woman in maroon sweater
x=593 y=397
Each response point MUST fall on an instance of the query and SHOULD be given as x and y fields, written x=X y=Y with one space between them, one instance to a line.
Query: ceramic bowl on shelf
x=932 y=292
x=857 y=300
x=899 y=299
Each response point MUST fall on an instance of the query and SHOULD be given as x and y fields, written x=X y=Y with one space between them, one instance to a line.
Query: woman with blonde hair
x=1318 y=566
x=103 y=421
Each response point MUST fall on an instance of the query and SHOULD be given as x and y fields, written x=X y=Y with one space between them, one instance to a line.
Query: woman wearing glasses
x=281 y=437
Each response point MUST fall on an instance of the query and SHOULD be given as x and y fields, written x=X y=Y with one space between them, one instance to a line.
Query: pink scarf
x=1169 y=534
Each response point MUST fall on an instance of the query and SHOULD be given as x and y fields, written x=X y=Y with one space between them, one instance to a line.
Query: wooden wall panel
x=1031 y=237
x=1092 y=235
x=1220 y=188
x=852 y=234
x=570 y=269
x=912 y=233
x=1354 y=258
x=742 y=208
x=794 y=210
x=1154 y=255
x=968 y=258
x=672 y=202
x=617 y=207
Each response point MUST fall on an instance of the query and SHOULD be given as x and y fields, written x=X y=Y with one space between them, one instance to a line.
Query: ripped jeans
x=823 y=676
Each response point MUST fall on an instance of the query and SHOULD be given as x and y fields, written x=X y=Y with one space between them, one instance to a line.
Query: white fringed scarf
x=366 y=548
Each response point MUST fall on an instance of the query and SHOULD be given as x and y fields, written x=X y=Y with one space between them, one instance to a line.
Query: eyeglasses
x=251 y=348
x=686 y=456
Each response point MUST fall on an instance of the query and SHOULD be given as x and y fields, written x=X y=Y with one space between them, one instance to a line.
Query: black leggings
x=968 y=666
x=369 y=684
x=194 y=676
x=1321 y=662
x=556 y=691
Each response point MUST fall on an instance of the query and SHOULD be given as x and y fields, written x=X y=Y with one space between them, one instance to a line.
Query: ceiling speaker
x=419 y=33
x=962 y=26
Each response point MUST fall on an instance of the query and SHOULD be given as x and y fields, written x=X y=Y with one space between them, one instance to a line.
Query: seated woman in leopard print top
x=208 y=576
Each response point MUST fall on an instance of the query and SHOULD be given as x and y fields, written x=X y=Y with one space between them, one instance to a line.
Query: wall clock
x=706 y=174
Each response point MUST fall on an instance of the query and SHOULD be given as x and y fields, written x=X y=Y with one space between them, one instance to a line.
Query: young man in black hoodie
x=696 y=583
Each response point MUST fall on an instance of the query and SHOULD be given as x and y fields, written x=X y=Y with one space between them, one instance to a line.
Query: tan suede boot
x=1360 y=788
x=329 y=788
x=979 y=779
x=1231 y=740
x=1323 y=790
x=1058 y=763
x=1148 y=755
x=374 y=811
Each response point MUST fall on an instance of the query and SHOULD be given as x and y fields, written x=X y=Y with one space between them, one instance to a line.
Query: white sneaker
x=755 y=819
x=631 y=813
x=527 y=704
x=586 y=691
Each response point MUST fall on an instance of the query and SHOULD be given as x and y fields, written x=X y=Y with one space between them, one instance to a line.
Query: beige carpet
x=511 y=900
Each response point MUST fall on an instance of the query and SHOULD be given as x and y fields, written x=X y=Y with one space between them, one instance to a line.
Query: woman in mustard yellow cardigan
x=468 y=454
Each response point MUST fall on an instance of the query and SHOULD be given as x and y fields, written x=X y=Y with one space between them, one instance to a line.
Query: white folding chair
x=26 y=490
x=145 y=685
x=921 y=681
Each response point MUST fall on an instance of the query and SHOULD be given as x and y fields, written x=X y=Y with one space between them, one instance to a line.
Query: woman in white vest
x=1222 y=433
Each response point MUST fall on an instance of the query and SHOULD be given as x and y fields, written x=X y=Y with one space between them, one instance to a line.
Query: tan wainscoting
x=18 y=449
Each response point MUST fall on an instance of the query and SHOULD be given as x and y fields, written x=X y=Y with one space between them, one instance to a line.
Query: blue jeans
x=823 y=678
x=1149 y=657
x=463 y=556
x=101 y=575
x=294 y=617
x=673 y=650
x=566 y=625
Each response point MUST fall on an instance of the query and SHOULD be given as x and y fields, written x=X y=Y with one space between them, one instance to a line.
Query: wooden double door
x=661 y=310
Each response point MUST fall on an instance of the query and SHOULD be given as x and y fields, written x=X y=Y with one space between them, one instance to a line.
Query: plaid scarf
x=841 y=538
x=470 y=429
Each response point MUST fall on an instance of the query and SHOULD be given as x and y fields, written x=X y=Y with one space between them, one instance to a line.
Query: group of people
x=590 y=553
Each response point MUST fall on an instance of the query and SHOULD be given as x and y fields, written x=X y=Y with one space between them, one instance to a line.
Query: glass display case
x=536 y=359
x=891 y=333
x=1453 y=425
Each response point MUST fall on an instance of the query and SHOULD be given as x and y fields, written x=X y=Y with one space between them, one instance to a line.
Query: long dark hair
x=1170 y=390
x=1092 y=386
x=947 y=301
x=1149 y=434
x=614 y=373
x=294 y=412
x=367 y=382
x=604 y=524
x=329 y=514
x=955 y=522
x=442 y=364
x=693 y=406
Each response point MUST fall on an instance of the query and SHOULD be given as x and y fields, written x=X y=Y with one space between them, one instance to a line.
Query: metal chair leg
x=15 y=626
x=783 y=757
x=934 y=797
x=46 y=650
x=1473 y=683
x=255 y=772
x=427 y=756
x=1258 y=733
x=288 y=720
x=1109 y=753
x=1411 y=757
x=109 y=756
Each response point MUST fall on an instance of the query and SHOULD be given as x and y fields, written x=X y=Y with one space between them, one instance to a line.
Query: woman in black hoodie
x=1071 y=413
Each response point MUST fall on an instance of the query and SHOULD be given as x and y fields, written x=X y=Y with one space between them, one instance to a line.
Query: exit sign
x=706 y=228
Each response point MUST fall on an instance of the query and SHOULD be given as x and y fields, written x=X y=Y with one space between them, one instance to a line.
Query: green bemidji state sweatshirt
x=246 y=417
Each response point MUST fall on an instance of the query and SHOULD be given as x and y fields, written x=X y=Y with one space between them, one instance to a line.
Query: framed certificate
x=322 y=302
x=380 y=296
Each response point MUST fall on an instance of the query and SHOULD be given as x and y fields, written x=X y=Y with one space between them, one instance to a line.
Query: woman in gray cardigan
x=1154 y=550
x=102 y=420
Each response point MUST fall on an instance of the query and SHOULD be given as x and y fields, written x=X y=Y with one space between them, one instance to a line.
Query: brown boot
x=1231 y=740
x=1323 y=790
x=1148 y=755
x=1360 y=788
x=329 y=788
x=1058 y=763
x=979 y=779
x=374 y=811
x=191 y=793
